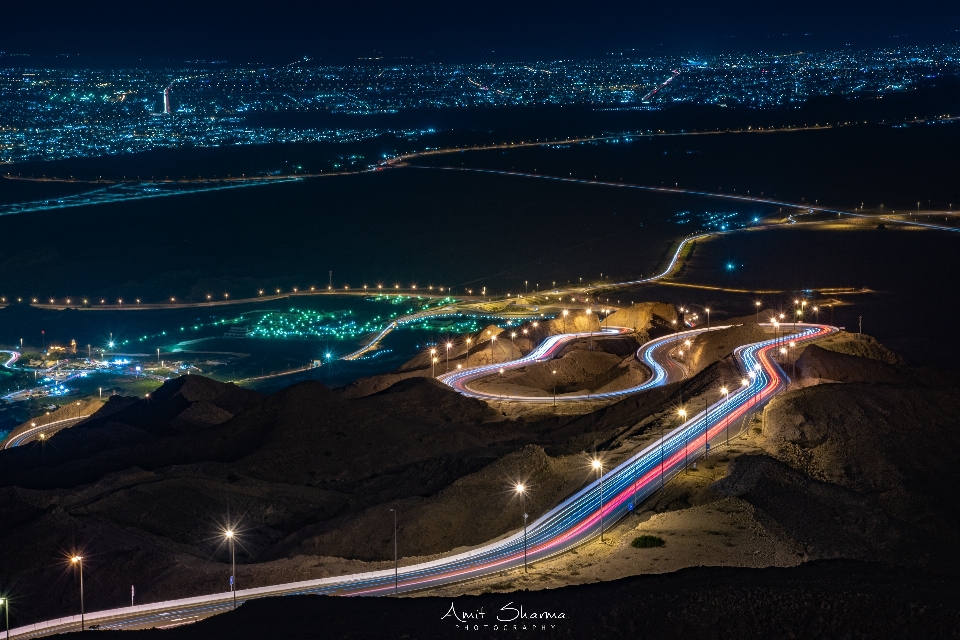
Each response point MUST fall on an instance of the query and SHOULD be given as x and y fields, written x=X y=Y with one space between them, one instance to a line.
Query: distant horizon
x=733 y=45
x=119 y=33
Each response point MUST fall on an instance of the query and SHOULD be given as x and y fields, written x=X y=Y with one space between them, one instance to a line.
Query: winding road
x=655 y=355
x=48 y=428
x=573 y=522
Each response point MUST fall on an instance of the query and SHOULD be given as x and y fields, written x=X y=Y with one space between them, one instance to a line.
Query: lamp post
x=554 y=388
x=78 y=560
x=396 y=565
x=565 y=313
x=6 y=613
x=707 y=309
x=449 y=345
x=758 y=311
x=229 y=534
x=523 y=505
x=587 y=312
x=493 y=339
x=433 y=360
x=599 y=467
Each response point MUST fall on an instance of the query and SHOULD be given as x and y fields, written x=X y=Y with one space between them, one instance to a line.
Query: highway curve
x=655 y=355
x=48 y=428
x=571 y=523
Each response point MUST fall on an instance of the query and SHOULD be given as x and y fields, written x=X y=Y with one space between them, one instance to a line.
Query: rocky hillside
x=644 y=316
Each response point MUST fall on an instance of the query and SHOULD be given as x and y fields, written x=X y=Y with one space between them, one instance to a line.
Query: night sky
x=122 y=31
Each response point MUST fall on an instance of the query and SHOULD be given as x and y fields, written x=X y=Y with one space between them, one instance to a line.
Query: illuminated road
x=655 y=355
x=12 y=356
x=47 y=429
x=573 y=522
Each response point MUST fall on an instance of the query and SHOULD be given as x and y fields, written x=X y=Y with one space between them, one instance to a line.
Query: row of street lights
x=77 y=560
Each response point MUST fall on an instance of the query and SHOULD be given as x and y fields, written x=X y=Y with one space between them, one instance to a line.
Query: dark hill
x=122 y=432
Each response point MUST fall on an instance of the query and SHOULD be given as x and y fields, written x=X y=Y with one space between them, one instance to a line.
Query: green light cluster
x=338 y=325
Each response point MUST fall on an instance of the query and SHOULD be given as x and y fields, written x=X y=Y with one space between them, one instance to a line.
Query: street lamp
x=229 y=534
x=78 y=560
x=6 y=612
x=758 y=311
x=599 y=468
x=554 y=388
x=433 y=359
x=707 y=309
x=523 y=505
x=449 y=345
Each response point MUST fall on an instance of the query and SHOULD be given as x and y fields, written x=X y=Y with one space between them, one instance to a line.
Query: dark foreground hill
x=145 y=491
x=835 y=599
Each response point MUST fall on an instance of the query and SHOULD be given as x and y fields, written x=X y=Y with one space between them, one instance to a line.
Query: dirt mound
x=171 y=408
x=713 y=346
x=572 y=370
x=643 y=316
x=93 y=406
x=375 y=384
x=896 y=443
x=825 y=519
x=498 y=351
x=226 y=396
x=863 y=346
x=819 y=363
x=574 y=322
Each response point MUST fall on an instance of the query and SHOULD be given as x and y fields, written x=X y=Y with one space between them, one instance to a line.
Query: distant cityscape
x=48 y=114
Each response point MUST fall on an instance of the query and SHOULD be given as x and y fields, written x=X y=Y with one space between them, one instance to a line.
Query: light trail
x=25 y=436
x=663 y=85
x=124 y=191
x=651 y=354
x=573 y=522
